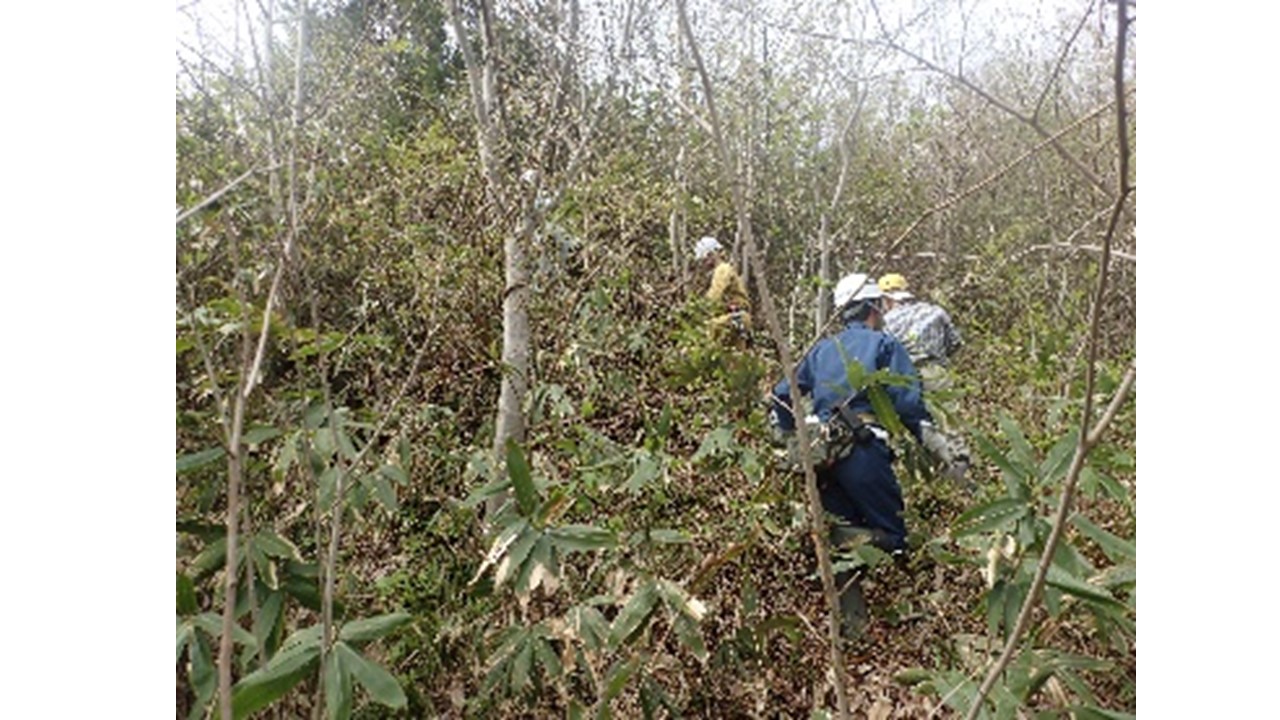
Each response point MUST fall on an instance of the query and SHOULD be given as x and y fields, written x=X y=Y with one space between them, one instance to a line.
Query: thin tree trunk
x=816 y=517
x=510 y=423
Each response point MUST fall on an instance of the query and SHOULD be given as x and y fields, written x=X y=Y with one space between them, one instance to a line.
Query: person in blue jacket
x=859 y=486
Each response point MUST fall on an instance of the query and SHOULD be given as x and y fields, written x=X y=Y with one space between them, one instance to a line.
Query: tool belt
x=834 y=440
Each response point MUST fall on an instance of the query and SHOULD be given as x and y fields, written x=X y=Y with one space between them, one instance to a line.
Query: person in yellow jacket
x=731 y=307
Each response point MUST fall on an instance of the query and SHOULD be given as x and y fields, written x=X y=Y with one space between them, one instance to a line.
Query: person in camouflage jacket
x=931 y=340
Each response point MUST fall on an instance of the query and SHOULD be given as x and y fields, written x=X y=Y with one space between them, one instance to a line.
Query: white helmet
x=705 y=247
x=854 y=287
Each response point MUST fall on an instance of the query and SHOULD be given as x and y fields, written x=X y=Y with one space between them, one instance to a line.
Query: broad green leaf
x=1021 y=449
x=882 y=406
x=276 y=546
x=186 y=595
x=717 y=442
x=618 y=676
x=191 y=461
x=1091 y=480
x=646 y=470
x=259 y=435
x=538 y=568
x=519 y=551
x=328 y=485
x=1081 y=589
x=679 y=601
x=211 y=624
x=1115 y=547
x=384 y=491
x=268 y=619
x=632 y=616
x=204 y=674
x=521 y=665
x=589 y=625
x=295 y=661
x=1014 y=476
x=547 y=658
x=1058 y=460
x=381 y=685
x=659 y=536
x=521 y=479
x=337 y=687
x=989 y=516
x=691 y=635
x=581 y=537
x=366 y=629
x=394 y=473
x=185 y=633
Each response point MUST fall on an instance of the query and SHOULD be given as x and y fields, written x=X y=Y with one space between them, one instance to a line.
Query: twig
x=215 y=196
x=1088 y=437
x=1062 y=58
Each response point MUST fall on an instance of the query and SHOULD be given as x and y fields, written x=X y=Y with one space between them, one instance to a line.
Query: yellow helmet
x=893 y=282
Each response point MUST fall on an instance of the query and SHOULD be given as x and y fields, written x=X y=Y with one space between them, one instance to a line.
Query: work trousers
x=863 y=490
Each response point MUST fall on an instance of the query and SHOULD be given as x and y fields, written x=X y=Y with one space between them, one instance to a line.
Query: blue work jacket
x=822 y=375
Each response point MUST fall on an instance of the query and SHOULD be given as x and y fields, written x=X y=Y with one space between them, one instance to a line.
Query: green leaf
x=1115 y=547
x=395 y=473
x=517 y=554
x=632 y=617
x=384 y=491
x=989 y=516
x=259 y=435
x=295 y=661
x=337 y=688
x=521 y=479
x=268 y=619
x=211 y=624
x=1021 y=449
x=661 y=536
x=1058 y=460
x=882 y=406
x=521 y=664
x=1081 y=712
x=204 y=674
x=186 y=595
x=913 y=676
x=691 y=635
x=191 y=461
x=617 y=678
x=366 y=629
x=581 y=537
x=1081 y=589
x=381 y=685
x=185 y=633
x=589 y=625
x=647 y=469
x=717 y=442
x=276 y=546
x=1014 y=476
x=548 y=658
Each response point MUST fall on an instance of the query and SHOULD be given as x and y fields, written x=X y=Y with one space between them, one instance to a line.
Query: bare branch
x=1062 y=58
x=215 y=196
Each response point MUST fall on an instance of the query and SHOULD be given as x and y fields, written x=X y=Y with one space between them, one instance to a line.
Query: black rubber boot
x=853 y=605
